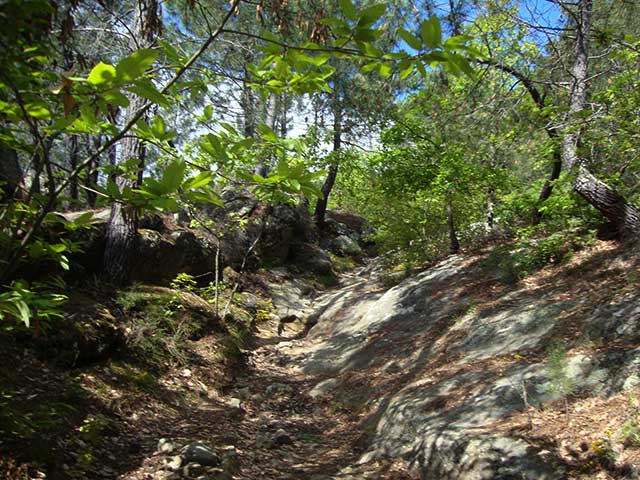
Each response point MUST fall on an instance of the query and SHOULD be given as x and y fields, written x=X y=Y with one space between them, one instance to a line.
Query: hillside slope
x=464 y=376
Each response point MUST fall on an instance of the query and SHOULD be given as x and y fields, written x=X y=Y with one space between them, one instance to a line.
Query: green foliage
x=342 y=264
x=533 y=251
x=264 y=310
x=159 y=327
x=23 y=303
x=94 y=427
x=557 y=369
x=184 y=281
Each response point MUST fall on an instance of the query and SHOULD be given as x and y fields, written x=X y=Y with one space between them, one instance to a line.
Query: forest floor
x=106 y=420
x=114 y=418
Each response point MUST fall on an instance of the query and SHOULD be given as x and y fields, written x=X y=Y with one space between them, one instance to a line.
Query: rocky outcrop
x=440 y=363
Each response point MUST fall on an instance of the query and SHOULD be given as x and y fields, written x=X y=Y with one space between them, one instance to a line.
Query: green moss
x=342 y=264
x=135 y=377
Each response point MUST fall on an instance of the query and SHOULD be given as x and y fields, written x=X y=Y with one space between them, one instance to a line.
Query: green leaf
x=115 y=97
x=158 y=127
x=37 y=111
x=371 y=15
x=135 y=65
x=431 y=32
x=200 y=180
x=101 y=74
x=170 y=51
x=173 y=176
x=406 y=70
x=24 y=312
x=267 y=133
x=410 y=38
x=365 y=34
x=348 y=9
x=146 y=89
x=370 y=67
x=384 y=70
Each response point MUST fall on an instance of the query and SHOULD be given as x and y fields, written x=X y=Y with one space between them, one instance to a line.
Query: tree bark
x=321 y=204
x=454 y=244
x=11 y=174
x=262 y=167
x=122 y=229
x=613 y=206
x=74 y=158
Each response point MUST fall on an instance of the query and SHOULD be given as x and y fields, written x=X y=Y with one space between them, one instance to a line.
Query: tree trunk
x=547 y=188
x=122 y=229
x=321 y=204
x=91 y=180
x=248 y=106
x=454 y=244
x=74 y=154
x=623 y=215
x=262 y=167
x=11 y=174
x=491 y=203
x=613 y=206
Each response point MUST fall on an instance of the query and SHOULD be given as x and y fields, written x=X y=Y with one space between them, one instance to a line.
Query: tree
x=122 y=228
x=613 y=206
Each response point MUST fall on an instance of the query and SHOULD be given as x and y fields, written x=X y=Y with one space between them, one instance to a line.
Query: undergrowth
x=532 y=251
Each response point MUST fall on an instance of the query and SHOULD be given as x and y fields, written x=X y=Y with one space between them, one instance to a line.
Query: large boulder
x=162 y=256
x=309 y=257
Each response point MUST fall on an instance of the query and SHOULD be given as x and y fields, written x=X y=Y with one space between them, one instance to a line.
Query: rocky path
x=267 y=426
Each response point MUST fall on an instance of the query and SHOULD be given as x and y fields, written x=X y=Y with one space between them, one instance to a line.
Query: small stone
x=235 y=403
x=281 y=437
x=243 y=393
x=193 y=470
x=186 y=373
x=165 y=446
x=262 y=441
x=199 y=452
x=230 y=459
x=174 y=464
x=277 y=389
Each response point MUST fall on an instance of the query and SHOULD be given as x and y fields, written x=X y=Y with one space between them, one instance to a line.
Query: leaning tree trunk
x=613 y=206
x=122 y=229
x=321 y=205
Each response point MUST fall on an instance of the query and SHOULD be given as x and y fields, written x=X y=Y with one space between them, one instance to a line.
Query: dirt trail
x=277 y=429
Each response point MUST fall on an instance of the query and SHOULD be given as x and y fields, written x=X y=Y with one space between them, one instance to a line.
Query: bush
x=531 y=252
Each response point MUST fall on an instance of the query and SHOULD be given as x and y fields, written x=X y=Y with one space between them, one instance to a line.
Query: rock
x=174 y=463
x=324 y=387
x=230 y=459
x=243 y=393
x=193 y=470
x=249 y=301
x=275 y=389
x=199 y=452
x=263 y=441
x=235 y=403
x=166 y=446
x=281 y=437
x=311 y=258
x=344 y=245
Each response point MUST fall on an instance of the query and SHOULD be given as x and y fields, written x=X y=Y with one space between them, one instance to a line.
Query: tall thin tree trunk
x=91 y=180
x=454 y=244
x=283 y=115
x=248 y=103
x=74 y=157
x=271 y=114
x=321 y=205
x=122 y=229
x=613 y=206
